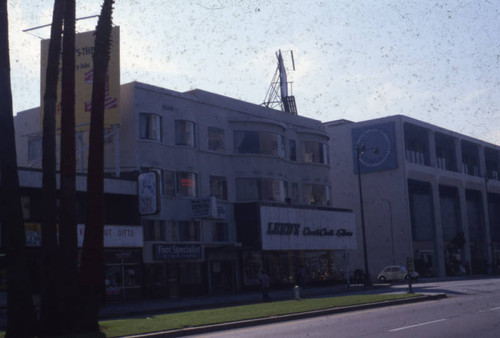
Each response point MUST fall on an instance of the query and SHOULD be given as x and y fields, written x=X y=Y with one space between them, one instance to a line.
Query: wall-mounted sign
x=207 y=208
x=306 y=229
x=117 y=236
x=186 y=252
x=376 y=147
x=149 y=198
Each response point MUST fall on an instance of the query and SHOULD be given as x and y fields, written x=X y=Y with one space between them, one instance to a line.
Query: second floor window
x=150 y=126
x=189 y=231
x=184 y=133
x=216 y=139
x=218 y=187
x=316 y=194
x=34 y=147
x=262 y=189
x=180 y=183
x=314 y=152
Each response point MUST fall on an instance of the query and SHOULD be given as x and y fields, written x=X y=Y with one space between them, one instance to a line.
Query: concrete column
x=432 y=148
x=465 y=226
x=438 y=231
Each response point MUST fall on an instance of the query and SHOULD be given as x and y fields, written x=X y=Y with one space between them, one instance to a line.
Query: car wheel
x=382 y=279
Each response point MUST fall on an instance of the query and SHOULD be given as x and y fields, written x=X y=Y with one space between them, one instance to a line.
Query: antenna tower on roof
x=278 y=94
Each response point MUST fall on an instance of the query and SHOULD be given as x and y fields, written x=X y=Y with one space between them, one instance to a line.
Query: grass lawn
x=122 y=327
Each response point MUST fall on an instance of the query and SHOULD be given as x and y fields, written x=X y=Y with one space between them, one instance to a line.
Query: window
x=293 y=150
x=254 y=142
x=184 y=133
x=34 y=147
x=189 y=231
x=314 y=152
x=154 y=230
x=218 y=187
x=251 y=189
x=149 y=126
x=169 y=183
x=179 y=183
x=316 y=194
x=186 y=184
x=220 y=232
x=216 y=139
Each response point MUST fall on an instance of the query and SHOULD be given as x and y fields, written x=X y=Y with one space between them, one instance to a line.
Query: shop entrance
x=222 y=276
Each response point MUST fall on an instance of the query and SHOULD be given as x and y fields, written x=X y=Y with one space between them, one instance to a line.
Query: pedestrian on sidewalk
x=264 y=280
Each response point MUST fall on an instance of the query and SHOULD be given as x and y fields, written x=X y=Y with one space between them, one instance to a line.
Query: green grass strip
x=123 y=327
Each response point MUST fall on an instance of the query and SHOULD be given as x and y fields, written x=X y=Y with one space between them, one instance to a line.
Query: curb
x=283 y=318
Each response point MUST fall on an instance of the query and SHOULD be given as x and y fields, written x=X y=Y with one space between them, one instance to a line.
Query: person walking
x=264 y=279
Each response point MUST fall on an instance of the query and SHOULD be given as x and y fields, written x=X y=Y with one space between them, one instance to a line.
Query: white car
x=396 y=272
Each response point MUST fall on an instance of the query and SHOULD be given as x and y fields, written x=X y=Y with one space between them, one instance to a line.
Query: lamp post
x=360 y=150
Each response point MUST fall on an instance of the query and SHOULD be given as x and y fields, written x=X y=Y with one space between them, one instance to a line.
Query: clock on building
x=375 y=146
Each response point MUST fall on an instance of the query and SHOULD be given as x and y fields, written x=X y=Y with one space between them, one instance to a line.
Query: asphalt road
x=472 y=309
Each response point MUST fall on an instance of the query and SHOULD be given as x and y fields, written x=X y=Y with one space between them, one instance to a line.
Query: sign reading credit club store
x=306 y=229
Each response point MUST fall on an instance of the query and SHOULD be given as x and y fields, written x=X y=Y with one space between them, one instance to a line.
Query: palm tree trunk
x=50 y=302
x=92 y=263
x=20 y=309
x=68 y=243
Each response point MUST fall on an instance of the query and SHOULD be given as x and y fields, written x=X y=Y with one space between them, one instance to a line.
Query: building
x=241 y=188
x=428 y=193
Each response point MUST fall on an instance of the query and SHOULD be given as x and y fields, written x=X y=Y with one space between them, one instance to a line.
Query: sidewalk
x=157 y=306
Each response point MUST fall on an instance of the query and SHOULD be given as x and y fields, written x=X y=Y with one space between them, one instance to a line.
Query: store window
x=184 y=133
x=314 y=152
x=255 y=142
x=216 y=139
x=316 y=194
x=186 y=184
x=189 y=231
x=218 y=187
x=34 y=147
x=220 y=232
x=154 y=230
x=260 y=189
x=123 y=274
x=150 y=126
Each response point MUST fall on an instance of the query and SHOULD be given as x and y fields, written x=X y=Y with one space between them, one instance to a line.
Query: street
x=472 y=309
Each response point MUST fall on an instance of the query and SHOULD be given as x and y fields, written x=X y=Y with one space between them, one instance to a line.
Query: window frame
x=148 y=128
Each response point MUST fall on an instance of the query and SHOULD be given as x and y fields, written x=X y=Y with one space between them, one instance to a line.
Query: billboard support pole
x=116 y=144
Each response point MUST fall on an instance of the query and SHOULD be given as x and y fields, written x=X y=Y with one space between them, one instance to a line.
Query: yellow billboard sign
x=84 y=74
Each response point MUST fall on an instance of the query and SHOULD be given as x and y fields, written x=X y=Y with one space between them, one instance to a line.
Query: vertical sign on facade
x=84 y=68
x=149 y=199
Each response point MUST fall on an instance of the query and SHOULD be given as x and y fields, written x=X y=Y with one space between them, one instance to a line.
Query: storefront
x=294 y=245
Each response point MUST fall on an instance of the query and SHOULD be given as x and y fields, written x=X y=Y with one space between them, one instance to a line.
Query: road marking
x=411 y=326
x=495 y=308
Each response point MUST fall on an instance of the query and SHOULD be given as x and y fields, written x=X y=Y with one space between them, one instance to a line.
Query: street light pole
x=360 y=149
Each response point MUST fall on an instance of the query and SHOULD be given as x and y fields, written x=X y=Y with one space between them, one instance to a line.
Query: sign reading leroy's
x=306 y=229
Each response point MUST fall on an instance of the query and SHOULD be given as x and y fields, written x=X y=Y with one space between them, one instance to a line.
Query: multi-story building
x=242 y=188
x=428 y=193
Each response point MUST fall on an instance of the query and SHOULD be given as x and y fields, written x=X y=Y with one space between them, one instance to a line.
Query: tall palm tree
x=20 y=309
x=50 y=303
x=68 y=243
x=92 y=263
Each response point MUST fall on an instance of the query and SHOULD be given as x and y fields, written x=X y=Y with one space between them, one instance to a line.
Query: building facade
x=210 y=154
x=428 y=193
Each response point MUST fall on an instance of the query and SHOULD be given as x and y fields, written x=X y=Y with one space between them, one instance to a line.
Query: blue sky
x=435 y=61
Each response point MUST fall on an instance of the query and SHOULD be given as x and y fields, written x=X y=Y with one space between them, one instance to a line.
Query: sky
x=435 y=61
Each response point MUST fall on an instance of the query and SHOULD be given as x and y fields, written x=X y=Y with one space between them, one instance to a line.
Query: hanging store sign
x=186 y=252
x=149 y=198
x=306 y=229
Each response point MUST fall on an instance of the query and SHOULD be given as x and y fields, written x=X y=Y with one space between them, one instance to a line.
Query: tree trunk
x=50 y=303
x=68 y=243
x=92 y=263
x=20 y=309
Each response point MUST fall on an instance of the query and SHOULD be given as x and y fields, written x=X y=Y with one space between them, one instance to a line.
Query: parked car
x=396 y=272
